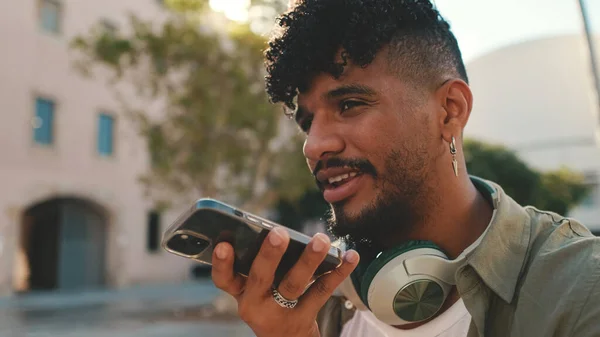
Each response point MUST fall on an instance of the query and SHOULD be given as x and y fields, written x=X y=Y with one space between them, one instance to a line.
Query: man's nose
x=322 y=141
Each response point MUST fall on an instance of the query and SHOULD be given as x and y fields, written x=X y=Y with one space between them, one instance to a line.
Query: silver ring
x=282 y=301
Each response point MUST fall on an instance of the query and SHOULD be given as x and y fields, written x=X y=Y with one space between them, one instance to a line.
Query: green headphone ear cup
x=375 y=266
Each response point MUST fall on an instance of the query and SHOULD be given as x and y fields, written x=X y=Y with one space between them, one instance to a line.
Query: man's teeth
x=342 y=177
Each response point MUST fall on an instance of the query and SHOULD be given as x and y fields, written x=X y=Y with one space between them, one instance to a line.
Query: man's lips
x=339 y=183
x=340 y=179
x=329 y=176
x=342 y=190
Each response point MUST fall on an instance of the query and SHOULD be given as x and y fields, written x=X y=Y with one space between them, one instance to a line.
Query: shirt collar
x=499 y=255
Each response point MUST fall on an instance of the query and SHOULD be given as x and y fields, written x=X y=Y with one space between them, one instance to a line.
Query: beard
x=400 y=206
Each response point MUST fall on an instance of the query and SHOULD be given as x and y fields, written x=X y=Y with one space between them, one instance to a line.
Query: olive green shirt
x=535 y=273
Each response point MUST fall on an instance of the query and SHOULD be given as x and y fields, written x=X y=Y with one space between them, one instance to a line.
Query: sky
x=485 y=25
x=236 y=10
x=482 y=26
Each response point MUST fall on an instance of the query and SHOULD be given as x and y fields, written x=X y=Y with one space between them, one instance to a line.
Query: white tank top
x=453 y=322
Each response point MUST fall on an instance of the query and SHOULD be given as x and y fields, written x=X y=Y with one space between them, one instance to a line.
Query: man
x=380 y=89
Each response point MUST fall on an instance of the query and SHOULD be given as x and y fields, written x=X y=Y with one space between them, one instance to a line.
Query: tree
x=217 y=135
x=295 y=213
x=557 y=191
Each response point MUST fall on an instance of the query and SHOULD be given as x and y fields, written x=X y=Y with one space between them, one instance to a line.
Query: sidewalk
x=157 y=311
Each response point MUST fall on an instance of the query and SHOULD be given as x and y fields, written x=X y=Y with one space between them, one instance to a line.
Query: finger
x=222 y=272
x=294 y=283
x=262 y=272
x=323 y=288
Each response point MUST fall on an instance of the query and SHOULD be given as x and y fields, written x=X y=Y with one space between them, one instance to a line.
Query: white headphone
x=408 y=283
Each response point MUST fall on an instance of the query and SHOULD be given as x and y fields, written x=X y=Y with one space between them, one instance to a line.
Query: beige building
x=72 y=214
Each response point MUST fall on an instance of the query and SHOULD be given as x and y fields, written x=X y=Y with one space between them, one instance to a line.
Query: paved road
x=165 y=311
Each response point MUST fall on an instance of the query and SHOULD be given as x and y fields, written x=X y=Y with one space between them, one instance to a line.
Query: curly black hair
x=422 y=47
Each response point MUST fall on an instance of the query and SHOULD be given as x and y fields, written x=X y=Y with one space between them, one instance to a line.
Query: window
x=50 y=13
x=43 y=122
x=105 y=134
x=153 y=233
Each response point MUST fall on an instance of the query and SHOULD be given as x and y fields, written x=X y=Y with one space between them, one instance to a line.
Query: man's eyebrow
x=349 y=89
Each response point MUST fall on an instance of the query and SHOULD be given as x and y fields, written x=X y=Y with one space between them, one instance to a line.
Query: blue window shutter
x=50 y=13
x=44 y=121
x=105 y=135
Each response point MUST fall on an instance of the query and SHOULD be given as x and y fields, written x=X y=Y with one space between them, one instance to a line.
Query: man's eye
x=306 y=123
x=347 y=105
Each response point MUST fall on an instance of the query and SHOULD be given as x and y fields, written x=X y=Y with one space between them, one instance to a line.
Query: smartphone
x=209 y=222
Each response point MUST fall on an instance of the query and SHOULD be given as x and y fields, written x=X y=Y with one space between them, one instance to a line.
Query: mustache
x=362 y=165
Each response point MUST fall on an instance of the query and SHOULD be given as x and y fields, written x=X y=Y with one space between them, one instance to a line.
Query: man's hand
x=256 y=304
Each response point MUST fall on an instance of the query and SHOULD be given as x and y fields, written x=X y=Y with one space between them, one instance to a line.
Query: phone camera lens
x=196 y=242
x=187 y=244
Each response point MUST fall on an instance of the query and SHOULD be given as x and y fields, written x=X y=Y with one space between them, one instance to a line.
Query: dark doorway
x=64 y=240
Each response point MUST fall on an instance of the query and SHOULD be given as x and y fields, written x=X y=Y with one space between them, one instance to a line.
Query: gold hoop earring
x=453 y=153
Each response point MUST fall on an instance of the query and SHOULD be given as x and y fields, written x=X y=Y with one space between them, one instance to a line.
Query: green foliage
x=498 y=164
x=186 y=6
x=215 y=133
x=556 y=191
x=295 y=213
x=561 y=190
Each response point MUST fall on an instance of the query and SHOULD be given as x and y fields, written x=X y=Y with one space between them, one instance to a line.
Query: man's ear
x=456 y=101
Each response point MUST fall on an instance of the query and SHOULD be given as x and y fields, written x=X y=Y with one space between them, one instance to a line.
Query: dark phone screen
x=245 y=238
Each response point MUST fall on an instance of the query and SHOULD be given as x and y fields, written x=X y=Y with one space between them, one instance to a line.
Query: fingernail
x=351 y=256
x=221 y=252
x=319 y=243
x=276 y=236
